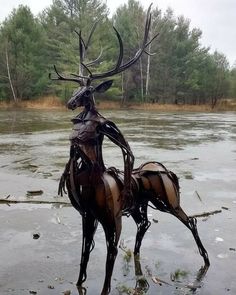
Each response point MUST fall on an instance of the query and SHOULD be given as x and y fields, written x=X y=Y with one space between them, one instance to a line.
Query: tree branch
x=205 y=214
x=8 y=202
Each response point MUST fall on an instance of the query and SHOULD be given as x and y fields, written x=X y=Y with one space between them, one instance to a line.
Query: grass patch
x=178 y=275
x=53 y=102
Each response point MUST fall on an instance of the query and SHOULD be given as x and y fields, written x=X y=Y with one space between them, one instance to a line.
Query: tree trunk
x=148 y=73
x=122 y=89
x=9 y=76
x=141 y=78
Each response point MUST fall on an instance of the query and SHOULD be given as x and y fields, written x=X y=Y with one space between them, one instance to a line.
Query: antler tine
x=120 y=58
x=149 y=53
x=96 y=60
x=120 y=68
x=81 y=45
x=85 y=66
x=116 y=68
x=82 y=51
x=91 y=33
x=79 y=76
x=150 y=41
x=147 y=25
x=60 y=77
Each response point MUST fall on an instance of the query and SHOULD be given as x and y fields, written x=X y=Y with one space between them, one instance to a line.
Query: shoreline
x=53 y=103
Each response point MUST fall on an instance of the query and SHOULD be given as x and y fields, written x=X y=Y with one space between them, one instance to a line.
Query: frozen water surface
x=199 y=147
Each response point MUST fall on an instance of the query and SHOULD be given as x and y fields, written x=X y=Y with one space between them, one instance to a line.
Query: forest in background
x=181 y=70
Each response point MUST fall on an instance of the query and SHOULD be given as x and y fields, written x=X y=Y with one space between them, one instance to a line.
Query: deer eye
x=87 y=93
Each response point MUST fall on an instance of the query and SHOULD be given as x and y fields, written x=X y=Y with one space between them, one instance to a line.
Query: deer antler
x=83 y=47
x=119 y=67
x=82 y=54
x=60 y=77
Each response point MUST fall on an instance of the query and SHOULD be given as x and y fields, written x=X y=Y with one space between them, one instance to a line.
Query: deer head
x=83 y=96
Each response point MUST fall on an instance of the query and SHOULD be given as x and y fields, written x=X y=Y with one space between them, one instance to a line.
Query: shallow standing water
x=199 y=147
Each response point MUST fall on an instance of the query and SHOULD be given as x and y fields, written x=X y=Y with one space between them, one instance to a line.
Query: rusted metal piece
x=103 y=194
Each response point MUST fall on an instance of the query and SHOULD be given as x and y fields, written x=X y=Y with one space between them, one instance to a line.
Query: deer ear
x=104 y=86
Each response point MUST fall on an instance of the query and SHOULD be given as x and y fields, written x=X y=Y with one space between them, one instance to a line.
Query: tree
x=163 y=83
x=220 y=85
x=128 y=20
x=60 y=21
x=232 y=82
x=22 y=55
x=181 y=71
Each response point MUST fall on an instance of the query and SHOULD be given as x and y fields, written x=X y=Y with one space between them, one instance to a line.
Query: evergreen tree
x=232 y=82
x=181 y=71
x=61 y=21
x=129 y=20
x=22 y=55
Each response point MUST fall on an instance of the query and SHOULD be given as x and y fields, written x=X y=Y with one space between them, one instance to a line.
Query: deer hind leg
x=89 y=228
x=165 y=197
x=142 y=284
x=191 y=223
x=140 y=217
x=171 y=189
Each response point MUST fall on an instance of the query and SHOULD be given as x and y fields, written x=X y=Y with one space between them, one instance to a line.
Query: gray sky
x=216 y=18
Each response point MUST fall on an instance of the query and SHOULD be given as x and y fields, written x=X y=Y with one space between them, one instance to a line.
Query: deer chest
x=84 y=132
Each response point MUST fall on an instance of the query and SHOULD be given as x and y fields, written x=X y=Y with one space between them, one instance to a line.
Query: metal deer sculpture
x=103 y=194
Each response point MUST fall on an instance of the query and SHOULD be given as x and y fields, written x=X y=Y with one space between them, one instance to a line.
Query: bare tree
x=9 y=76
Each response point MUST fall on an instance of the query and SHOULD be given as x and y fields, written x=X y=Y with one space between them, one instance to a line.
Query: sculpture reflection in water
x=102 y=194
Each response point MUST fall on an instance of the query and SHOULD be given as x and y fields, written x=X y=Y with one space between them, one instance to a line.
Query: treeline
x=177 y=70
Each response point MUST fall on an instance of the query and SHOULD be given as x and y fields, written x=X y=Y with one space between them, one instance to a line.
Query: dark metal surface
x=103 y=194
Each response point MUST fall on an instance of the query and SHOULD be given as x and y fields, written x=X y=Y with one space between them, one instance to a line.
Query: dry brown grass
x=223 y=105
x=47 y=102
x=52 y=102
x=109 y=105
x=171 y=107
x=226 y=105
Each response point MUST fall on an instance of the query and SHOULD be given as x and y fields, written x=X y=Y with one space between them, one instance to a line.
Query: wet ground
x=200 y=148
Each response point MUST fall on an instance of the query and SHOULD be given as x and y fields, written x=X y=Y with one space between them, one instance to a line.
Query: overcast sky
x=216 y=18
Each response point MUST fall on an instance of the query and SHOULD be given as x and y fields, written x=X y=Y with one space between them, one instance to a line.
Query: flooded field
x=40 y=244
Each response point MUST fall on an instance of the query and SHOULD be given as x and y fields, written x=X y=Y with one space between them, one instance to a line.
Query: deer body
x=97 y=192
x=104 y=194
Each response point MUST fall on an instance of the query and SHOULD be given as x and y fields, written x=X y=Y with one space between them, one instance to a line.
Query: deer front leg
x=89 y=228
x=112 y=233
